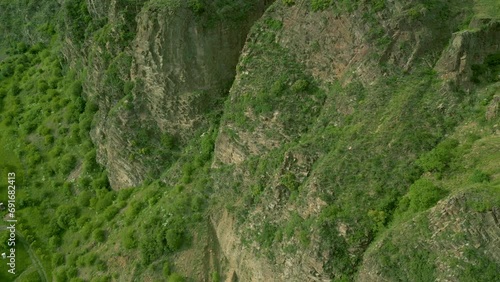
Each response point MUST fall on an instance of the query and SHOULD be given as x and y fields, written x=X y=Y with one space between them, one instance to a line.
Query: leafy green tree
x=67 y=215
x=440 y=158
x=422 y=195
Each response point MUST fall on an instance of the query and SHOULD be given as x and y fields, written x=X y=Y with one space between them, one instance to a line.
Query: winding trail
x=34 y=258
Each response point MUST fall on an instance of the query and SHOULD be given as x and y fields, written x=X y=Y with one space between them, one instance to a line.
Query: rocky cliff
x=344 y=59
x=309 y=192
x=289 y=140
x=158 y=69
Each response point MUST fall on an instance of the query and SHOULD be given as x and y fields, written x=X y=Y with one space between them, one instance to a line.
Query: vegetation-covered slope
x=342 y=140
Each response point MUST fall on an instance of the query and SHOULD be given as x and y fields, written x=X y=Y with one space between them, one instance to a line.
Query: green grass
x=487 y=9
x=52 y=139
x=67 y=220
x=10 y=163
x=465 y=165
x=23 y=261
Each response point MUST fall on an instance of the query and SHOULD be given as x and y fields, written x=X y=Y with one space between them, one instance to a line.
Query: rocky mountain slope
x=306 y=140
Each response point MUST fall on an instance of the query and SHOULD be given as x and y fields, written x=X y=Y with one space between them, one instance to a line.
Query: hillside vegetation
x=288 y=140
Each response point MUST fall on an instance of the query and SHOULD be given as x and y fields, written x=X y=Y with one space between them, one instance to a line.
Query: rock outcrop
x=468 y=48
x=177 y=68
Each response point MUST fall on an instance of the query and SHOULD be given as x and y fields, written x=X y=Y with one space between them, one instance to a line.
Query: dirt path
x=34 y=258
x=26 y=272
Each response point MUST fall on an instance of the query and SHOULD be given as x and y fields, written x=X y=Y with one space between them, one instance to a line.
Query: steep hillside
x=289 y=140
x=325 y=124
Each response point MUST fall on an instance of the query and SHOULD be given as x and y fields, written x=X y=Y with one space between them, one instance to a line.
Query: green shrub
x=175 y=239
x=196 y=6
x=54 y=228
x=111 y=212
x=440 y=158
x=48 y=140
x=84 y=182
x=167 y=141
x=74 y=135
x=290 y=181
x=233 y=11
x=133 y=210
x=14 y=90
x=175 y=277
x=76 y=89
x=44 y=130
x=89 y=163
x=215 y=276
x=67 y=215
x=67 y=163
x=288 y=2
x=318 y=5
x=129 y=239
x=79 y=104
x=42 y=86
x=90 y=259
x=57 y=260
x=299 y=85
x=71 y=272
x=149 y=250
x=99 y=235
x=187 y=171
x=55 y=241
x=83 y=221
x=166 y=269
x=422 y=195
x=101 y=182
x=267 y=235
x=60 y=275
x=278 y=87
x=71 y=113
x=80 y=261
x=53 y=81
x=33 y=157
x=67 y=189
x=104 y=200
x=379 y=219
x=101 y=265
x=85 y=126
x=9 y=118
x=488 y=71
x=84 y=198
x=197 y=203
x=128 y=87
x=479 y=177
x=124 y=194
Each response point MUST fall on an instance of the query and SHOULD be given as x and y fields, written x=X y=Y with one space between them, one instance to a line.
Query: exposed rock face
x=114 y=146
x=181 y=67
x=185 y=66
x=468 y=48
x=330 y=48
x=242 y=262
